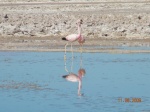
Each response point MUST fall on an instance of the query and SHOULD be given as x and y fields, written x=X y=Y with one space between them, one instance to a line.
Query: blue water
x=32 y=82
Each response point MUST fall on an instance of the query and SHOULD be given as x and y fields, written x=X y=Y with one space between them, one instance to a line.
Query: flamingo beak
x=81 y=21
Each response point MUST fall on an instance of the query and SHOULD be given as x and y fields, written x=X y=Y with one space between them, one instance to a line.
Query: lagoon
x=32 y=82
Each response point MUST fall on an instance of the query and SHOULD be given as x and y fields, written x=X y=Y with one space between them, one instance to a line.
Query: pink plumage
x=71 y=77
x=75 y=37
x=72 y=37
x=76 y=78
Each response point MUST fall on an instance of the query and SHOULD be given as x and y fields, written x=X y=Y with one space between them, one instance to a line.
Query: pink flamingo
x=74 y=37
x=76 y=78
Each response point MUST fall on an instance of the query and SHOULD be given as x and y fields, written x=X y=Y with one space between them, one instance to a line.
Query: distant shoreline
x=65 y=3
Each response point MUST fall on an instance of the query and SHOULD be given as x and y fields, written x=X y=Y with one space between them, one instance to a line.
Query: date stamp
x=128 y=100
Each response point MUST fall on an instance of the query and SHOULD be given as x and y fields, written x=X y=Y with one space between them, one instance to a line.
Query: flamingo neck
x=79 y=87
x=80 y=76
x=79 y=30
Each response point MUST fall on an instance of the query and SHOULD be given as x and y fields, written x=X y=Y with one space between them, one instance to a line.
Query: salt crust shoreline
x=40 y=27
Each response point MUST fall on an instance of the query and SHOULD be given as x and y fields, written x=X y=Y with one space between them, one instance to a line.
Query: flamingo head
x=79 y=22
x=81 y=72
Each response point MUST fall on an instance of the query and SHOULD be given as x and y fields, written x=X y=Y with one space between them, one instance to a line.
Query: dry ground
x=93 y=42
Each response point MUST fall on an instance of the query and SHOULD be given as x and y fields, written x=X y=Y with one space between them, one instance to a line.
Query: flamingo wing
x=72 y=37
x=71 y=77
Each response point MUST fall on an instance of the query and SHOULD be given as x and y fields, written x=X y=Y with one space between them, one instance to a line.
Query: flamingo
x=74 y=37
x=76 y=78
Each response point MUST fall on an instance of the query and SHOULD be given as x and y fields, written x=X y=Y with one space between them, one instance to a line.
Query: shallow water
x=32 y=82
x=121 y=47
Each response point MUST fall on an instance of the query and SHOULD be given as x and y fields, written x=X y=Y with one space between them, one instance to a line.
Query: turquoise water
x=32 y=82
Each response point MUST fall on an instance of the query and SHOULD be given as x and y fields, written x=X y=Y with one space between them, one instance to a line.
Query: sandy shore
x=39 y=26
x=91 y=45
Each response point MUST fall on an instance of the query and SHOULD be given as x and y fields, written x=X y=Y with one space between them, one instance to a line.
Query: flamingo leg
x=79 y=88
x=65 y=52
x=81 y=60
x=65 y=59
x=72 y=58
x=66 y=68
x=81 y=50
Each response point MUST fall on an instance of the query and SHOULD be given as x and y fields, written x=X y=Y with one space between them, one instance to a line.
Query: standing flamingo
x=74 y=37
x=76 y=78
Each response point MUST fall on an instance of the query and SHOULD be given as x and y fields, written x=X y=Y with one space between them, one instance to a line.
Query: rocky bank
x=100 y=20
x=107 y=25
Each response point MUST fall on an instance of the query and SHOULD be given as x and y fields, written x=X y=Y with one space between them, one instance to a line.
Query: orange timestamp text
x=128 y=100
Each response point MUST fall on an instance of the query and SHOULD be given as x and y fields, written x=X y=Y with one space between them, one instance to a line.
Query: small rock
x=32 y=33
x=105 y=35
x=16 y=30
x=139 y=17
x=115 y=28
x=6 y=16
x=65 y=22
x=124 y=31
x=90 y=33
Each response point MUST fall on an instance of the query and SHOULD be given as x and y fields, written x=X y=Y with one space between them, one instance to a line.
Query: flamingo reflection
x=76 y=78
x=72 y=77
